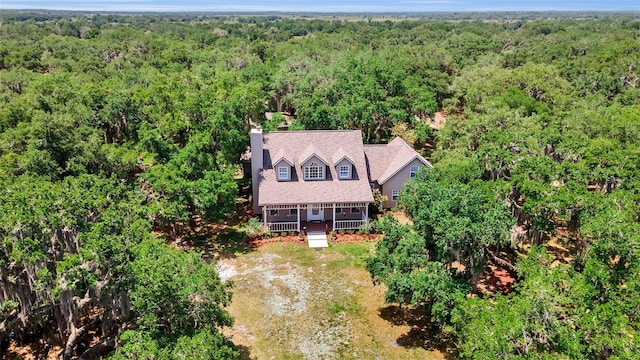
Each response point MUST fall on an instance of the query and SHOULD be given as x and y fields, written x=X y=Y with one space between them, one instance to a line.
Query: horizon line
x=199 y=11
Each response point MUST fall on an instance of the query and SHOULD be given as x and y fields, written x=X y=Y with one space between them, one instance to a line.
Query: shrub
x=364 y=229
x=253 y=227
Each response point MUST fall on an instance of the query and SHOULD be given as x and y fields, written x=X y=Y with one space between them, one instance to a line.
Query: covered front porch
x=315 y=217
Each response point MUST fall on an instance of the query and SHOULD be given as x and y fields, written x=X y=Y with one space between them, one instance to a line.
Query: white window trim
x=285 y=173
x=395 y=193
x=413 y=170
x=347 y=168
x=318 y=176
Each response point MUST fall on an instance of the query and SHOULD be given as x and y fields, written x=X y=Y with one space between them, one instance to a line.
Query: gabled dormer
x=343 y=164
x=314 y=167
x=283 y=168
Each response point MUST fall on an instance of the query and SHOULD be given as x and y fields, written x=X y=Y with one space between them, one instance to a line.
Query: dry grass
x=292 y=302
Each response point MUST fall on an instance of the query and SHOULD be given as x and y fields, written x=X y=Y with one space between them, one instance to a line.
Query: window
x=293 y=212
x=344 y=171
x=413 y=171
x=394 y=194
x=314 y=171
x=338 y=210
x=372 y=186
x=283 y=173
x=355 y=210
x=274 y=212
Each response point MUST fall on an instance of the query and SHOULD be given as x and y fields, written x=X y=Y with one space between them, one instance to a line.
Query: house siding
x=397 y=181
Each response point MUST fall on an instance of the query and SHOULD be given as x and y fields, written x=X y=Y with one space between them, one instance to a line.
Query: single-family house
x=325 y=176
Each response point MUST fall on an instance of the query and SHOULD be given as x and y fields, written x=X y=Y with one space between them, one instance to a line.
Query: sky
x=324 y=5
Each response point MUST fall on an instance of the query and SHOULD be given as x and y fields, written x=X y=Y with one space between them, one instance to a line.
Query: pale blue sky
x=323 y=5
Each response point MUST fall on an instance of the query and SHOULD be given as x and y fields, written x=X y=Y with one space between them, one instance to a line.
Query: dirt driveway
x=292 y=302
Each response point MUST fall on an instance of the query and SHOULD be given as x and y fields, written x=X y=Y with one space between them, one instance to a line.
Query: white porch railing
x=349 y=224
x=283 y=226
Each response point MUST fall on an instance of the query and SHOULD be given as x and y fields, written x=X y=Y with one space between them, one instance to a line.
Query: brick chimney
x=256 y=165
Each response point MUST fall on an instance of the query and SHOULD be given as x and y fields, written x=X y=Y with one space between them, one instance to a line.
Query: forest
x=114 y=128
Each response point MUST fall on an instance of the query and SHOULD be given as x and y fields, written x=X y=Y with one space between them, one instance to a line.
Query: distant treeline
x=261 y=16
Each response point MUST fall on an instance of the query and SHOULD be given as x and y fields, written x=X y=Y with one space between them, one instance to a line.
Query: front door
x=315 y=213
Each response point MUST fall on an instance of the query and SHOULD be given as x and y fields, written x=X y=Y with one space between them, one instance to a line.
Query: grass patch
x=354 y=250
x=349 y=306
x=336 y=308
x=302 y=256
x=353 y=255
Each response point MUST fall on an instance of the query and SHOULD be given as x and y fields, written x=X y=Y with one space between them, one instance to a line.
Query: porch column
x=298 y=217
x=333 y=216
x=366 y=213
x=264 y=217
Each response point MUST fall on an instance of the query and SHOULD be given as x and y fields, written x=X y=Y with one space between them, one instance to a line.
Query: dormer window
x=344 y=171
x=283 y=173
x=314 y=171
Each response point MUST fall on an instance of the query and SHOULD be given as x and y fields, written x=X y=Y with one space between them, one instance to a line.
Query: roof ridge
x=310 y=151
x=406 y=144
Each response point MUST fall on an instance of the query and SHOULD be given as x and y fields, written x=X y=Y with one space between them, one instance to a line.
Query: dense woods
x=112 y=126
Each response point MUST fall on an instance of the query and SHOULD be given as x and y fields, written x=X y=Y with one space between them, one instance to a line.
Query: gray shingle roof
x=297 y=146
x=386 y=160
x=309 y=152
x=340 y=154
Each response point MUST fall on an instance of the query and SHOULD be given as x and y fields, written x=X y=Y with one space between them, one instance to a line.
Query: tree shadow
x=223 y=240
x=225 y=244
x=220 y=239
x=423 y=333
x=245 y=352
